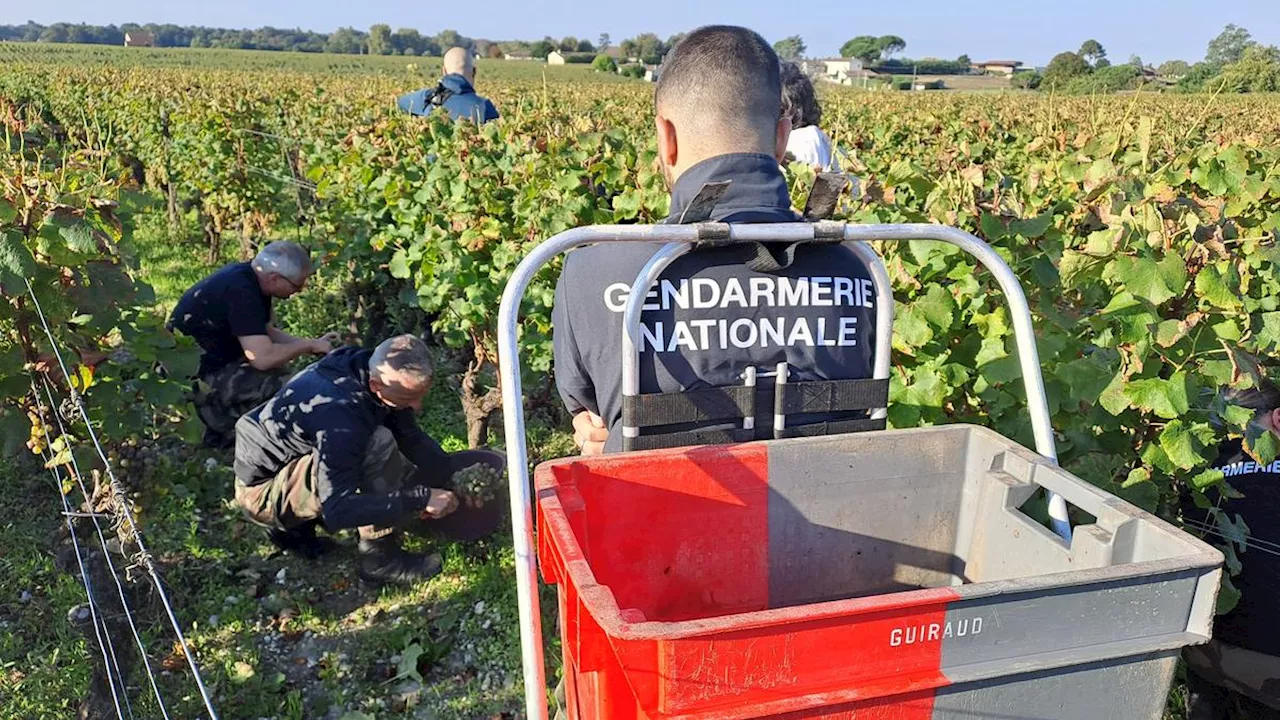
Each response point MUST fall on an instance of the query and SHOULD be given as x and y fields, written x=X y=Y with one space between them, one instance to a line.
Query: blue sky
x=1033 y=32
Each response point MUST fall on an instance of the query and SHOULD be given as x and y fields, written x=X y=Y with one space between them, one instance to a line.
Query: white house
x=838 y=70
x=555 y=58
x=999 y=67
x=139 y=38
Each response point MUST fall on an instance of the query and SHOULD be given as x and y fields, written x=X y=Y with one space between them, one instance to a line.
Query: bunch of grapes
x=132 y=456
x=37 y=443
x=478 y=483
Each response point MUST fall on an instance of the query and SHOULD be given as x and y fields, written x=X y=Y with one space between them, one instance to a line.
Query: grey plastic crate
x=887 y=572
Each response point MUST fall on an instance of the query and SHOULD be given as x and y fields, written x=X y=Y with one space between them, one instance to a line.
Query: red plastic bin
x=872 y=576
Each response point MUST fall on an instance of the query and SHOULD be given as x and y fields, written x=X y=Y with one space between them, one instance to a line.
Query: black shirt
x=710 y=315
x=328 y=409
x=221 y=309
x=1252 y=624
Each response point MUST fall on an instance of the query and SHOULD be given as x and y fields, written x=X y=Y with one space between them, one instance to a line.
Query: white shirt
x=811 y=146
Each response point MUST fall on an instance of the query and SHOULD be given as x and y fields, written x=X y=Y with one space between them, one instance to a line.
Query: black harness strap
x=697 y=406
x=826 y=191
x=699 y=210
x=822 y=396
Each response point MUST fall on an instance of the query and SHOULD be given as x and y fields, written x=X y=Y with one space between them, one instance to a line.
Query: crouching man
x=338 y=447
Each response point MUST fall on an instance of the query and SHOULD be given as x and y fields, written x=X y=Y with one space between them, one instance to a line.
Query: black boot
x=382 y=561
x=301 y=541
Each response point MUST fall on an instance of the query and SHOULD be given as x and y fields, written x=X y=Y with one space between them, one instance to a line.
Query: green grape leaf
x=1206 y=479
x=79 y=237
x=408 y=667
x=1261 y=445
x=1269 y=333
x=1238 y=417
x=15 y=257
x=1113 y=398
x=1137 y=475
x=15 y=429
x=1180 y=445
x=1034 y=227
x=937 y=307
x=1086 y=377
x=399 y=266
x=1211 y=287
x=911 y=327
x=1166 y=398
x=1228 y=596
x=1144 y=278
x=1077 y=269
x=1145 y=495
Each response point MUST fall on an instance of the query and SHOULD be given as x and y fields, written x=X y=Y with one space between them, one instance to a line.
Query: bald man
x=455 y=92
x=714 y=312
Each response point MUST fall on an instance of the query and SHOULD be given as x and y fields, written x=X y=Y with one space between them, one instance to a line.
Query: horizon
x=937 y=29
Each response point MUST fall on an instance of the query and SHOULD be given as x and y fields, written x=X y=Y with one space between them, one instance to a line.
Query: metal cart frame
x=678 y=240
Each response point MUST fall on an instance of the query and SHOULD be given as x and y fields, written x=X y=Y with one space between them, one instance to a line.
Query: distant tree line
x=380 y=39
x=266 y=38
x=1233 y=62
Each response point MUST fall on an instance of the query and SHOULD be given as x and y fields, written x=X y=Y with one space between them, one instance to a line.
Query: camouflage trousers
x=290 y=499
x=223 y=397
x=1221 y=676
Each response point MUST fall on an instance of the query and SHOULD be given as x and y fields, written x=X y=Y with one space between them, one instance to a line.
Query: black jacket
x=816 y=312
x=328 y=409
x=1252 y=624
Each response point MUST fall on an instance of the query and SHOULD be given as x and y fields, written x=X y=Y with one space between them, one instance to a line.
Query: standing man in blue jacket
x=455 y=93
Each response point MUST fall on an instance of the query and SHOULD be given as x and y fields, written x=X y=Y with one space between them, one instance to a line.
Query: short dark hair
x=799 y=101
x=730 y=73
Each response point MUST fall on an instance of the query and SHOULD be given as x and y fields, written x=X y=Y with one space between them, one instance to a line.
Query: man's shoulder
x=606 y=262
x=234 y=275
x=214 y=285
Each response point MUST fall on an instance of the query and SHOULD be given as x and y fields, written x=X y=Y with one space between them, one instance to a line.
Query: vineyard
x=1143 y=228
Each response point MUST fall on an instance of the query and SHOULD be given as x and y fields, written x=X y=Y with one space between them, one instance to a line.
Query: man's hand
x=321 y=346
x=442 y=503
x=333 y=338
x=589 y=433
x=429 y=503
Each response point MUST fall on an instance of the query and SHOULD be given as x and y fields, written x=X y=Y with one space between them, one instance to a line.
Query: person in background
x=244 y=356
x=339 y=447
x=455 y=92
x=808 y=143
x=1239 y=669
